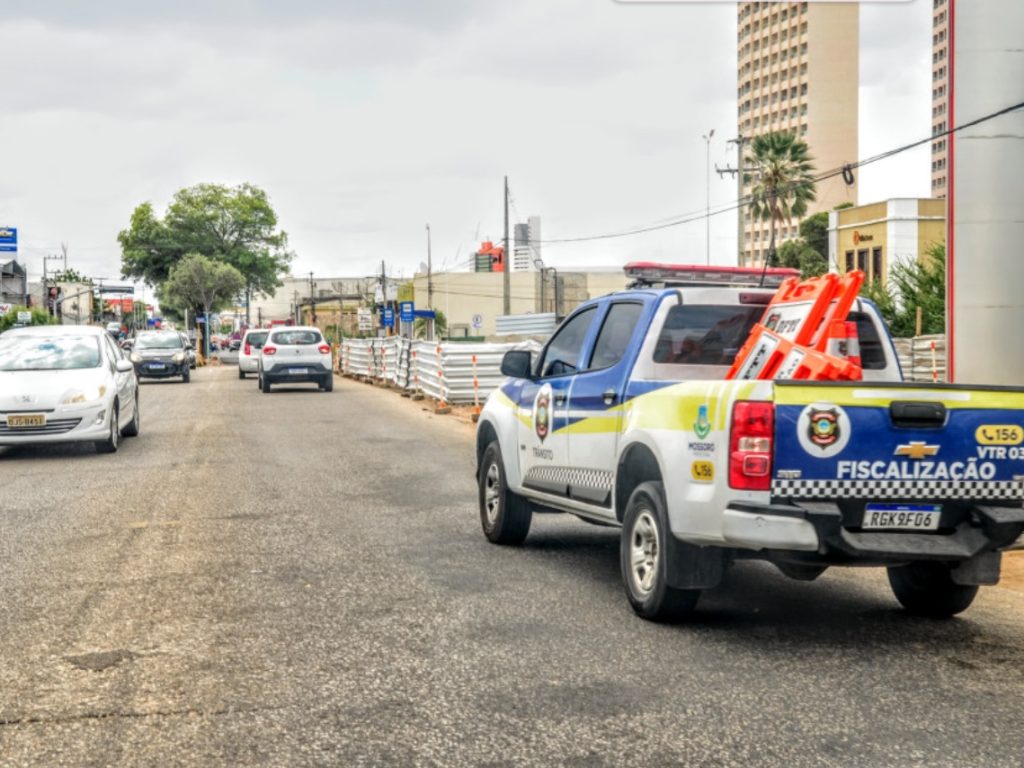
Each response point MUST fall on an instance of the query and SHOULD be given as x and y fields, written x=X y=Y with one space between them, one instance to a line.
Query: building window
x=862 y=260
x=877 y=270
x=849 y=261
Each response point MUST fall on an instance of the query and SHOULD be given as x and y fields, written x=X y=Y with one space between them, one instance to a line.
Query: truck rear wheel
x=644 y=561
x=927 y=589
x=504 y=515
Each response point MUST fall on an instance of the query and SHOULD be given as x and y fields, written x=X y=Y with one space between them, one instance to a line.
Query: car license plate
x=902 y=517
x=22 y=420
x=297 y=371
x=157 y=366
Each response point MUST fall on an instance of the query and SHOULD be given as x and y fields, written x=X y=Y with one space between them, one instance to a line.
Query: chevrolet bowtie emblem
x=917 y=450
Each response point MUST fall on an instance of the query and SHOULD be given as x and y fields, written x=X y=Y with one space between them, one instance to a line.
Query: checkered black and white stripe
x=579 y=478
x=988 y=490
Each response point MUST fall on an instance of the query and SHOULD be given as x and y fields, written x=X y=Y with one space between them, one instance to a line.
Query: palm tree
x=782 y=177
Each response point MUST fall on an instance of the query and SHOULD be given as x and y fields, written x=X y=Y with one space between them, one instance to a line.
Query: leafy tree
x=39 y=317
x=234 y=225
x=70 y=275
x=814 y=231
x=796 y=253
x=782 y=179
x=913 y=284
x=201 y=284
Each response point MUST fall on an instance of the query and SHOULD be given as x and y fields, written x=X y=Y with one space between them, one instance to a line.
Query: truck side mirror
x=517 y=364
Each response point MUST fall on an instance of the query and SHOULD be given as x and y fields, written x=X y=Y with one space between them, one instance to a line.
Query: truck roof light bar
x=653 y=274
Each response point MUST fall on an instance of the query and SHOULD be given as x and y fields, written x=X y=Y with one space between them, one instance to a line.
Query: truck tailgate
x=885 y=441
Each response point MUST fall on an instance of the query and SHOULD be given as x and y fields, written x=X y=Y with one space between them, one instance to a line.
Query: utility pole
x=707 y=209
x=383 y=293
x=741 y=212
x=430 y=274
x=506 y=278
x=312 y=300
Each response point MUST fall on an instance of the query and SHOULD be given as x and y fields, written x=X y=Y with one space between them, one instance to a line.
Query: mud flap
x=980 y=569
x=691 y=567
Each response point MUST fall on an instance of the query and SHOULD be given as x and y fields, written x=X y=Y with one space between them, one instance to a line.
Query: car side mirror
x=124 y=366
x=517 y=364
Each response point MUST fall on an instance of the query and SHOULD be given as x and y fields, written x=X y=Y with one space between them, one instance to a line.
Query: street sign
x=116 y=289
x=8 y=239
x=4 y=309
x=478 y=321
x=24 y=317
x=365 y=319
x=406 y=311
x=388 y=318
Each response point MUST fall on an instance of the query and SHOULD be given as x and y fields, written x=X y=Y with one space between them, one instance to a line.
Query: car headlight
x=179 y=357
x=135 y=357
x=84 y=396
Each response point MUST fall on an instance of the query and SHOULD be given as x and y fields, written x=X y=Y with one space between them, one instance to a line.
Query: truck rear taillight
x=750 y=445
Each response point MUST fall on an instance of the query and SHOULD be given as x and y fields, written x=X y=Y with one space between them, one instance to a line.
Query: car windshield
x=159 y=341
x=295 y=337
x=40 y=353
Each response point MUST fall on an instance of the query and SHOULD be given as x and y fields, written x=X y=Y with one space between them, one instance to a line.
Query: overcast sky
x=366 y=119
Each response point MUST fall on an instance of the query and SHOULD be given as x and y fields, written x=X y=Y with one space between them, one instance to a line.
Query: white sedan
x=66 y=383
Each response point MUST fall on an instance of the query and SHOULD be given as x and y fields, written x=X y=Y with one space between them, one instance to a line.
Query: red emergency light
x=681 y=275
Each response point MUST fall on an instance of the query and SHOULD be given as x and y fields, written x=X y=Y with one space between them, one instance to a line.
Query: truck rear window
x=705 y=334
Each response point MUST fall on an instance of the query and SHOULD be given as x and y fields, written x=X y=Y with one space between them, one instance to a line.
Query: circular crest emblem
x=542 y=412
x=823 y=429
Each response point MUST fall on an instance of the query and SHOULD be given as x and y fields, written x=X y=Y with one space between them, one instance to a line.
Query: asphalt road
x=299 y=579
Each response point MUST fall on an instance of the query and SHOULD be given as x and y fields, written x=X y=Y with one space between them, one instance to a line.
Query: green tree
x=70 y=275
x=913 y=284
x=781 y=174
x=201 y=285
x=796 y=253
x=814 y=231
x=39 y=317
x=234 y=225
x=440 y=326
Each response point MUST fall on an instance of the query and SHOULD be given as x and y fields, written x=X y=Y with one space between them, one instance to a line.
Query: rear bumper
x=817 y=527
x=284 y=373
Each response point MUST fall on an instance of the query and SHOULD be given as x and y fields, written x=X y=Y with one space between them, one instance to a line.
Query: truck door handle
x=609 y=396
x=559 y=399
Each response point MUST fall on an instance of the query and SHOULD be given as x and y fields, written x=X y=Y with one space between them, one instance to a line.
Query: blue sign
x=427 y=314
x=8 y=239
x=388 y=318
x=406 y=311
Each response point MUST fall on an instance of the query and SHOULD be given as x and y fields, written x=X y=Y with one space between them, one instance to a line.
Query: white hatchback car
x=66 y=383
x=249 y=352
x=295 y=353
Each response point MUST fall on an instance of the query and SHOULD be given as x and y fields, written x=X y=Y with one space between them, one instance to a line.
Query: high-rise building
x=940 y=94
x=797 y=71
x=526 y=252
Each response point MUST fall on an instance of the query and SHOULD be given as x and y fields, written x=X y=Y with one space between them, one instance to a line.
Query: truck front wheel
x=504 y=515
x=644 y=560
x=927 y=589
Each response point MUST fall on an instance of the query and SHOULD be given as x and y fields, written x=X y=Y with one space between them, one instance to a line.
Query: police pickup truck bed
x=625 y=419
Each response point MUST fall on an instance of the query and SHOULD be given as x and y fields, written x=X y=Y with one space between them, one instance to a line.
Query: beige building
x=292 y=298
x=797 y=71
x=941 y=60
x=472 y=300
x=874 y=237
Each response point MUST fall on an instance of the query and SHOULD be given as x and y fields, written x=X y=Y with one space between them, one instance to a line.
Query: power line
x=844 y=170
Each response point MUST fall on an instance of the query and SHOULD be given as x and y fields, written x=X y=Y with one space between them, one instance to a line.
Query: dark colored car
x=161 y=355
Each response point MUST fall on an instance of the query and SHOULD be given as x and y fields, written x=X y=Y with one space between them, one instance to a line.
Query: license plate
x=157 y=366
x=15 y=421
x=902 y=517
x=297 y=371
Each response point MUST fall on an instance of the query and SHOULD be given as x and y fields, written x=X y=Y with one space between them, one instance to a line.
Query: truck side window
x=562 y=354
x=872 y=354
x=616 y=332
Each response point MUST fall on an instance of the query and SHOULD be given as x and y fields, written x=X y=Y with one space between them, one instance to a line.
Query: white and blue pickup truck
x=625 y=419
